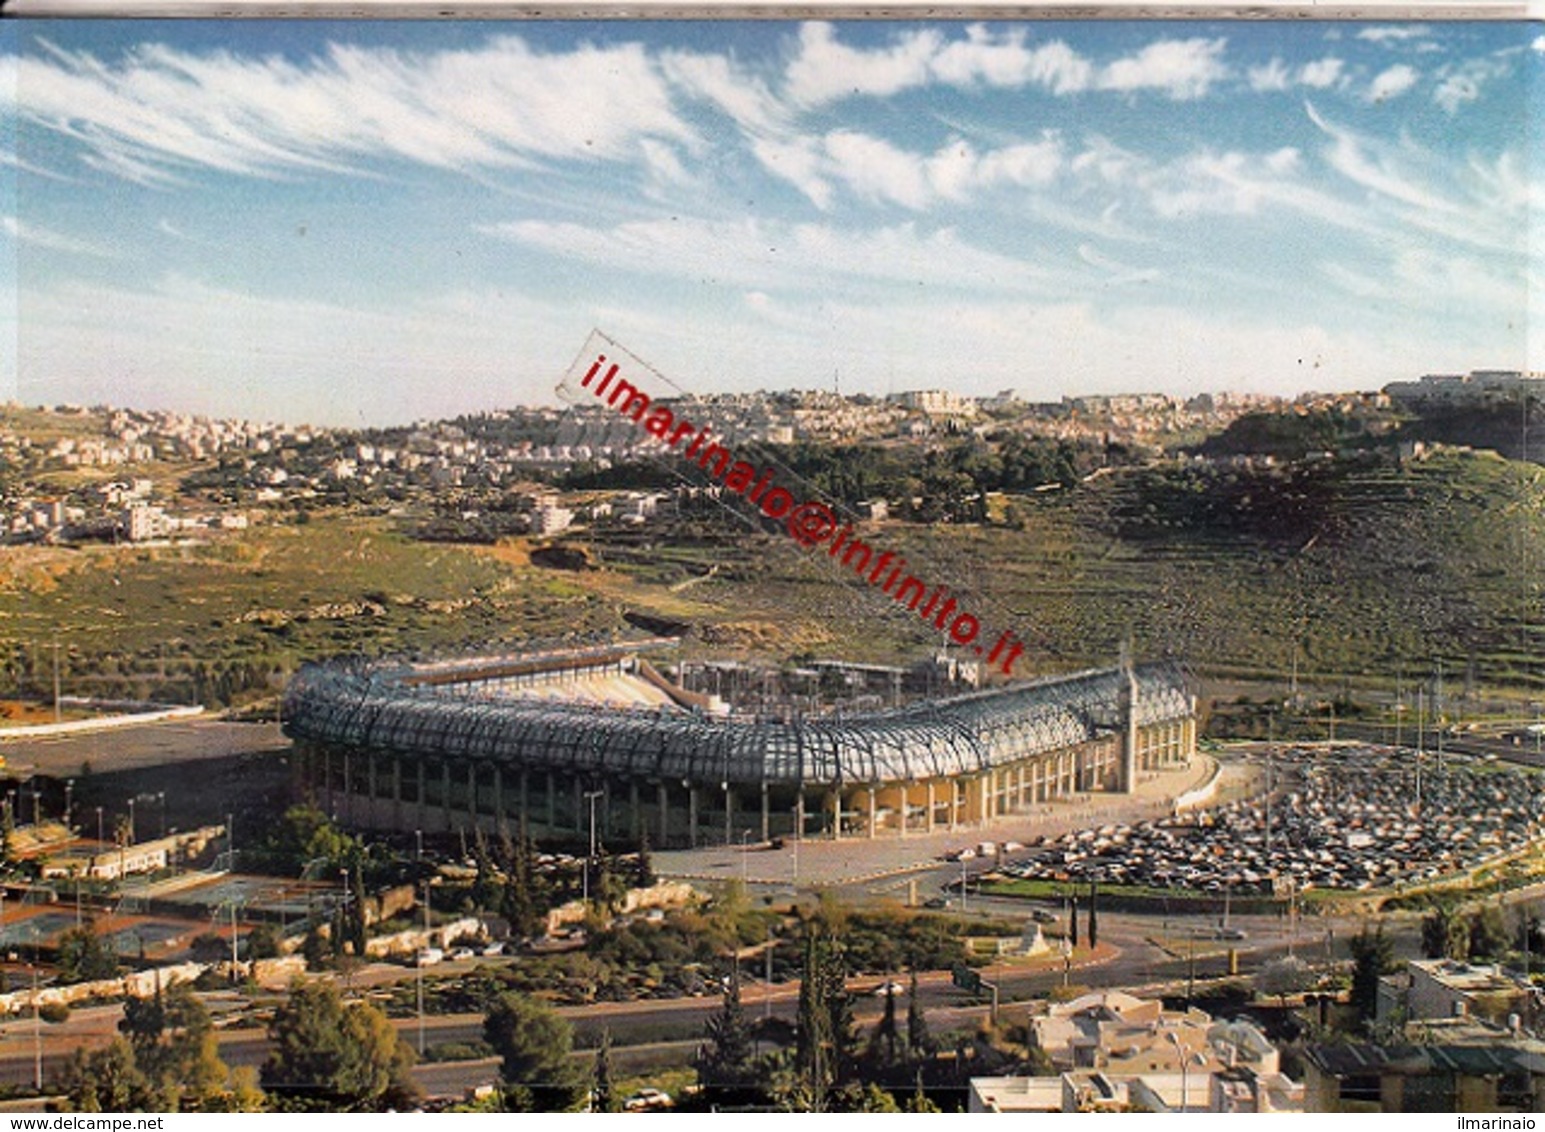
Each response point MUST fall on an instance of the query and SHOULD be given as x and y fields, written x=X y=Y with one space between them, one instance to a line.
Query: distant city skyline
x=369 y=223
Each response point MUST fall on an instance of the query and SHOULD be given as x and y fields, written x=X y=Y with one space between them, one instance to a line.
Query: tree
x=485 y=886
x=643 y=864
x=1530 y=937
x=175 y=1047
x=1445 y=934
x=825 y=1050
x=263 y=942
x=314 y=949
x=108 y=1080
x=611 y=887
x=334 y=1058
x=1094 y=923
x=523 y=900
x=1284 y=976
x=83 y=956
x=603 y=1096
x=724 y=1061
x=1373 y=956
x=919 y=1101
x=533 y=1045
x=919 y=1040
x=8 y=857
x=306 y=834
x=884 y=1043
x=1488 y=933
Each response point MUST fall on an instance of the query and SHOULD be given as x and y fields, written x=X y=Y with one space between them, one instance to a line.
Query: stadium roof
x=386 y=708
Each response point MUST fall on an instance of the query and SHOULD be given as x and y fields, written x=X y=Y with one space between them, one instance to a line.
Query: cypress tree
x=725 y=1060
x=604 y=1097
x=919 y=1040
x=1094 y=924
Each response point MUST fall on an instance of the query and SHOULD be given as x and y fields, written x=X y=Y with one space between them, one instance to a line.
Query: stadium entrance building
x=539 y=738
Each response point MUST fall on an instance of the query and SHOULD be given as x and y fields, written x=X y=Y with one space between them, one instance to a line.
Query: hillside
x=1366 y=569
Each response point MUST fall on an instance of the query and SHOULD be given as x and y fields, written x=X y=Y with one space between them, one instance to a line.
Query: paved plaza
x=825 y=862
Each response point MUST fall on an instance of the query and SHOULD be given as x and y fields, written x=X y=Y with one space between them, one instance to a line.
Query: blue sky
x=374 y=222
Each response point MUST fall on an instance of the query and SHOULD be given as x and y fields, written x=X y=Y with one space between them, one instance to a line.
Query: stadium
x=558 y=739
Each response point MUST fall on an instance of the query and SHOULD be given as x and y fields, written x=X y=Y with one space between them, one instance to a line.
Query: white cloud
x=797 y=161
x=1392 y=83
x=1116 y=273
x=742 y=96
x=825 y=70
x=663 y=166
x=1060 y=69
x=877 y=170
x=1388 y=34
x=1275 y=76
x=1461 y=83
x=23 y=232
x=1322 y=73
x=1230 y=183
x=763 y=255
x=1007 y=62
x=12 y=160
x=1272 y=77
x=158 y=113
x=1419 y=199
x=1181 y=68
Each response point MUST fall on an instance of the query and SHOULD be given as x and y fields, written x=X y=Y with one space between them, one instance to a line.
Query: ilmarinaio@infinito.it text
x=810 y=523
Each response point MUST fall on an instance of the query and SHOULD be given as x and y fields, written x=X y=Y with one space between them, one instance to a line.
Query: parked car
x=648 y=1100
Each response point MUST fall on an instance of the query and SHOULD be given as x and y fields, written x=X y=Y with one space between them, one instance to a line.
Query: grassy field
x=224 y=616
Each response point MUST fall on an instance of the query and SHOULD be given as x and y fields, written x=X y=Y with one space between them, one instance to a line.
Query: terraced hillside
x=1364 y=569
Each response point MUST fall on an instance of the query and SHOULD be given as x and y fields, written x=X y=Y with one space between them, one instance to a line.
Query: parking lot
x=1347 y=817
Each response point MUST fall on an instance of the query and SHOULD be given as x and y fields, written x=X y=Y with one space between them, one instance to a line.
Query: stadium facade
x=541 y=739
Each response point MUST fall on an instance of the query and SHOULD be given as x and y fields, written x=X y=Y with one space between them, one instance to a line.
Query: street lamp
x=1187 y=1057
x=420 y=967
x=69 y=788
x=590 y=796
x=745 y=837
x=131 y=821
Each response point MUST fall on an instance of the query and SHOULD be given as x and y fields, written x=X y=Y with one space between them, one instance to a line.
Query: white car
x=461 y=953
x=885 y=989
x=495 y=948
x=429 y=957
x=648 y=1100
